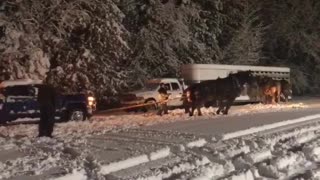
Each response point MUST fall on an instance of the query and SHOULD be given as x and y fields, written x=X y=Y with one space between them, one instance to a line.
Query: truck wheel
x=77 y=115
x=152 y=106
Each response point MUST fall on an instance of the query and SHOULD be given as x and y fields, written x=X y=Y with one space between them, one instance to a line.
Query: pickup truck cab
x=18 y=99
x=149 y=93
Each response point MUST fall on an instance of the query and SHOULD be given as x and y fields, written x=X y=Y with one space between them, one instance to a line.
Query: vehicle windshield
x=151 y=86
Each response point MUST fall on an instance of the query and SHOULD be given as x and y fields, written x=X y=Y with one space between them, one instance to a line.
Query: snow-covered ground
x=115 y=147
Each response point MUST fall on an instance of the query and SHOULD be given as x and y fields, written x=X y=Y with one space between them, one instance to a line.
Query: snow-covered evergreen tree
x=167 y=34
x=106 y=45
x=21 y=46
x=245 y=46
x=92 y=51
x=293 y=40
x=83 y=40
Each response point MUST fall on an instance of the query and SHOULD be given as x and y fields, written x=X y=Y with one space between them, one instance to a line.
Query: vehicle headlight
x=91 y=100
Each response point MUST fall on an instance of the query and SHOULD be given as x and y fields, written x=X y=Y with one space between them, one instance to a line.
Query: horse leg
x=192 y=110
x=215 y=104
x=269 y=99
x=186 y=110
x=228 y=105
x=273 y=100
x=277 y=96
x=286 y=98
x=279 y=93
x=186 y=107
x=274 y=94
x=264 y=96
x=283 y=97
x=220 y=106
x=264 y=99
x=199 y=110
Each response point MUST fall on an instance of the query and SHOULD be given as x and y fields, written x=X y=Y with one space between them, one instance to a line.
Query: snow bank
x=116 y=166
x=315 y=174
x=283 y=163
x=243 y=176
x=305 y=138
x=162 y=153
x=312 y=152
x=134 y=161
x=268 y=171
x=76 y=175
x=259 y=156
x=231 y=152
x=211 y=171
x=187 y=165
x=268 y=127
x=197 y=143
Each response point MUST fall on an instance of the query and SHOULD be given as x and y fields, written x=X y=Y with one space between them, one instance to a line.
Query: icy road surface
x=285 y=145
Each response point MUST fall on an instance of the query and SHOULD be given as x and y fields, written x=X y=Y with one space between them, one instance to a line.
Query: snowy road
x=225 y=124
x=145 y=146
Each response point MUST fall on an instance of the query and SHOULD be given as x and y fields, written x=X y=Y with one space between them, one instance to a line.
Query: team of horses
x=222 y=92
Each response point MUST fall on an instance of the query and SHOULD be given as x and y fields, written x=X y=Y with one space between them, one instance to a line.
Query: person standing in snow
x=163 y=98
x=47 y=103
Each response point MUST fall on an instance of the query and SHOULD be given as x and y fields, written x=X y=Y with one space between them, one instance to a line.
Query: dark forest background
x=111 y=45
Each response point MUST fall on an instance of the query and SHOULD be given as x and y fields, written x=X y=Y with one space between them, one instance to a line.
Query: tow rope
x=138 y=105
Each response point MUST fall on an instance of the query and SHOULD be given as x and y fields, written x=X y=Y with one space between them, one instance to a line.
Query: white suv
x=149 y=93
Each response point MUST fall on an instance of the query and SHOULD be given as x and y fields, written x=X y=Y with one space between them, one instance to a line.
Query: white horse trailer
x=195 y=73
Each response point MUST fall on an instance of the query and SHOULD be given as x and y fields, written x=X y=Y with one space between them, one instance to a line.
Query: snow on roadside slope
x=75 y=175
x=280 y=159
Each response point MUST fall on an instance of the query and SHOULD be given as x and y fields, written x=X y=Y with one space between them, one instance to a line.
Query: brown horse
x=270 y=90
x=272 y=93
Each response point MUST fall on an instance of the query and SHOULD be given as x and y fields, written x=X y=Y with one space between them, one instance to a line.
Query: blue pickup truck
x=18 y=100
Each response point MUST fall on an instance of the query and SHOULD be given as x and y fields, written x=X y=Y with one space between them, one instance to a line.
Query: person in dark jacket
x=163 y=98
x=47 y=103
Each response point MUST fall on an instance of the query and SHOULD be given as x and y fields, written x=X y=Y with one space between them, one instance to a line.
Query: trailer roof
x=236 y=67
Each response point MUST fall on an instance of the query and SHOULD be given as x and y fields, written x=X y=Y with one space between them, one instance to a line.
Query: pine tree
x=21 y=53
x=293 y=40
x=246 y=43
x=83 y=40
x=167 y=34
